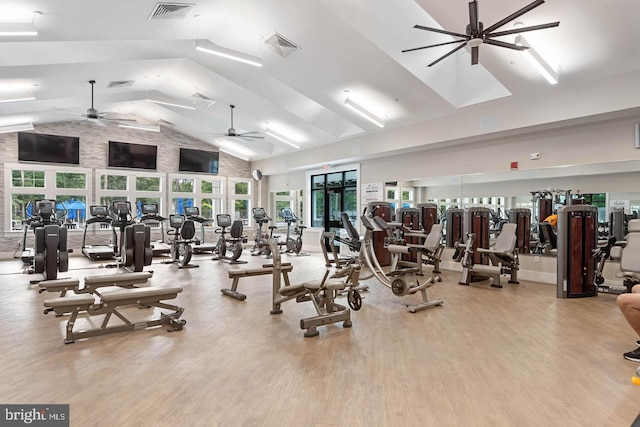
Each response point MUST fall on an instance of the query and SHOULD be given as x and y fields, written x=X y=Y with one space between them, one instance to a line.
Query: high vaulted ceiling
x=352 y=46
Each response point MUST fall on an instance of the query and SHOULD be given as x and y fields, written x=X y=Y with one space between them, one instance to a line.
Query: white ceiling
x=345 y=45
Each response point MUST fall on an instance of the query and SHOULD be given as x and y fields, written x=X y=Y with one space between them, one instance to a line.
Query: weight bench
x=237 y=273
x=92 y=283
x=322 y=294
x=108 y=304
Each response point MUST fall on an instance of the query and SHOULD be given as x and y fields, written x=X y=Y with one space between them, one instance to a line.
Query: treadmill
x=199 y=246
x=99 y=215
x=151 y=217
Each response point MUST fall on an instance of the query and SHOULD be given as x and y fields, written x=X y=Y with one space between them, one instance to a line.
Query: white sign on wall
x=373 y=192
x=620 y=203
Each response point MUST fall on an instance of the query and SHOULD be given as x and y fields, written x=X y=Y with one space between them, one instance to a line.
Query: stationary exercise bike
x=229 y=249
x=294 y=246
x=261 y=238
x=182 y=231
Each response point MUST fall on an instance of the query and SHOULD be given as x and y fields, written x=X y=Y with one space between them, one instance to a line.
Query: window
x=136 y=186
x=240 y=200
x=70 y=187
x=202 y=191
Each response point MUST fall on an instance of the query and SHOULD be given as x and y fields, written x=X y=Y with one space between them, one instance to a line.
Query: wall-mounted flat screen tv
x=135 y=156
x=199 y=161
x=40 y=147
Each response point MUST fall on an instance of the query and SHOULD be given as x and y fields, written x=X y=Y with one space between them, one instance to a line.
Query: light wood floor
x=515 y=356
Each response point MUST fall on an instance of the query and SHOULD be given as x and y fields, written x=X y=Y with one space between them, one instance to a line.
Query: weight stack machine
x=476 y=220
x=522 y=218
x=428 y=215
x=454 y=226
x=577 y=238
x=383 y=210
x=617 y=223
x=410 y=218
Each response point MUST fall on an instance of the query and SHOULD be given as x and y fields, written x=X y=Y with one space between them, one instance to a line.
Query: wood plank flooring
x=516 y=356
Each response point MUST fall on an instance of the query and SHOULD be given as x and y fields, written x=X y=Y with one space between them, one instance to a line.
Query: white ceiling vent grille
x=281 y=44
x=170 y=10
x=120 y=83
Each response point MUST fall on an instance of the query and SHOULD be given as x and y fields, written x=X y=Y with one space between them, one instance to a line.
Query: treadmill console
x=149 y=209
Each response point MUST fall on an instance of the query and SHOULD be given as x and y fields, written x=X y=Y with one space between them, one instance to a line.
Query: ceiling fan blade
x=503 y=44
x=431 y=45
x=474 y=55
x=447 y=54
x=249 y=133
x=524 y=29
x=473 y=16
x=437 y=30
x=512 y=17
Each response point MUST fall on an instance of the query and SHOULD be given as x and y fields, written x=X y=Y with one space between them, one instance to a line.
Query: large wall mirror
x=605 y=185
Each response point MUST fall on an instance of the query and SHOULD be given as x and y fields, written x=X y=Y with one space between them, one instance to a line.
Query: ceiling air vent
x=170 y=10
x=120 y=83
x=281 y=44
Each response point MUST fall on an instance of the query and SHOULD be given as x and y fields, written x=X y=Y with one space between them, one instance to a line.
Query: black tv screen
x=40 y=147
x=136 y=156
x=198 y=161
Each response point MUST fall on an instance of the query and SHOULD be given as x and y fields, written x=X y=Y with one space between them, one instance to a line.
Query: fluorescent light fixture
x=537 y=61
x=140 y=126
x=233 y=154
x=18 y=29
x=172 y=102
x=16 y=127
x=364 y=112
x=17 y=96
x=209 y=47
x=280 y=137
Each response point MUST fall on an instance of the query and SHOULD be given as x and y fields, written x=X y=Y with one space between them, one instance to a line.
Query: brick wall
x=94 y=142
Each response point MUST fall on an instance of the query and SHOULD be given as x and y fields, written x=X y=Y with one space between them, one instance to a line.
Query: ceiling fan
x=231 y=132
x=97 y=117
x=476 y=34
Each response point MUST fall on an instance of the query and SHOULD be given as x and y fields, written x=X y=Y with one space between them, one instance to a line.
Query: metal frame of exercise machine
x=200 y=246
x=182 y=231
x=401 y=281
x=294 y=246
x=150 y=217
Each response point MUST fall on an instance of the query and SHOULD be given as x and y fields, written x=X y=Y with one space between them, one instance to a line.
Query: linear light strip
x=537 y=61
x=364 y=112
x=281 y=138
x=18 y=29
x=25 y=98
x=140 y=126
x=19 y=127
x=173 y=103
x=233 y=154
x=209 y=47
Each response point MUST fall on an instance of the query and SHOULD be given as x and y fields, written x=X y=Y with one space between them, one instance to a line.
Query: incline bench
x=108 y=303
x=92 y=283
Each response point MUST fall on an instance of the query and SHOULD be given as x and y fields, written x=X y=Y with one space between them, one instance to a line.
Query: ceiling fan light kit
x=204 y=45
x=476 y=34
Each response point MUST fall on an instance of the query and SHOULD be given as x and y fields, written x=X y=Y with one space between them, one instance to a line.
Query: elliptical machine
x=50 y=253
x=183 y=231
x=232 y=245
x=294 y=246
x=134 y=247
